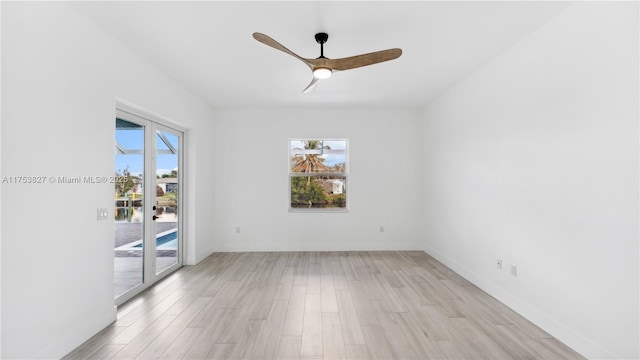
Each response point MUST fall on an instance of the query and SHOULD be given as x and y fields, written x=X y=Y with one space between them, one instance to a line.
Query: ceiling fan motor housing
x=322 y=38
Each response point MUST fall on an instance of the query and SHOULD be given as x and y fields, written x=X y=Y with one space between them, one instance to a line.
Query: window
x=318 y=174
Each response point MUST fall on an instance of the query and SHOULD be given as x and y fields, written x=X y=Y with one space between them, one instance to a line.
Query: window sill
x=318 y=210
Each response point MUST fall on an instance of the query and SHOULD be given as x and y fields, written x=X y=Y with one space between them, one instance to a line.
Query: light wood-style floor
x=319 y=305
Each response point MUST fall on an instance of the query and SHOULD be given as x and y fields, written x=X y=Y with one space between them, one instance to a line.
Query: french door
x=148 y=203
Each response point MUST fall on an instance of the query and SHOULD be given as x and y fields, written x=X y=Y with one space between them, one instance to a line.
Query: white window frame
x=291 y=153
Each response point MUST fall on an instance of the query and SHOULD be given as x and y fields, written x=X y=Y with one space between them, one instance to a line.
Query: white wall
x=534 y=160
x=251 y=186
x=0 y=200
x=61 y=76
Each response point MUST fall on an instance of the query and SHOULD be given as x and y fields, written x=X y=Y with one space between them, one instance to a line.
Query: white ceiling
x=208 y=48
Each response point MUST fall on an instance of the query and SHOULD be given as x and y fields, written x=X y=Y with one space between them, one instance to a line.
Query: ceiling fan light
x=322 y=73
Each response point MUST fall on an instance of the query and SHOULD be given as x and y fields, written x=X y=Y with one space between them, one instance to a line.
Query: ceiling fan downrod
x=322 y=38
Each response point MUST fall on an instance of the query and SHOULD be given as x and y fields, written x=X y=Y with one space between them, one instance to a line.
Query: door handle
x=155 y=217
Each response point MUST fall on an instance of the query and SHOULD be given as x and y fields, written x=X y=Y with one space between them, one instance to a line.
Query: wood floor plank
x=450 y=350
x=221 y=352
x=448 y=274
x=479 y=308
x=412 y=298
x=525 y=325
x=313 y=278
x=339 y=276
x=553 y=349
x=107 y=351
x=319 y=305
x=205 y=317
x=215 y=285
x=295 y=311
x=361 y=303
x=370 y=285
x=232 y=293
x=183 y=303
x=464 y=331
x=451 y=306
x=328 y=293
x=326 y=260
x=96 y=342
x=300 y=269
x=264 y=298
x=369 y=258
x=237 y=330
x=206 y=339
x=289 y=348
x=182 y=344
x=154 y=305
x=332 y=340
x=377 y=343
x=351 y=327
x=392 y=293
x=271 y=332
x=348 y=268
x=140 y=342
x=422 y=288
x=392 y=331
x=283 y=291
x=357 y=352
x=246 y=344
x=142 y=322
x=433 y=322
x=356 y=259
x=161 y=343
x=312 y=327
x=418 y=341
x=516 y=343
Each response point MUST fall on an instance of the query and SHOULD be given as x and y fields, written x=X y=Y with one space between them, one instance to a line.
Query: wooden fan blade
x=363 y=60
x=276 y=45
x=312 y=85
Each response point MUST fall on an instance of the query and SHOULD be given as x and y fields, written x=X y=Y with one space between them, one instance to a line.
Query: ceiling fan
x=322 y=67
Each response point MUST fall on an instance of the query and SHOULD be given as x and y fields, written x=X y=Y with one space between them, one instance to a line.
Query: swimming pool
x=166 y=240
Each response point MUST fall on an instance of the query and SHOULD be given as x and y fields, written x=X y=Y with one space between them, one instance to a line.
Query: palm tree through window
x=318 y=174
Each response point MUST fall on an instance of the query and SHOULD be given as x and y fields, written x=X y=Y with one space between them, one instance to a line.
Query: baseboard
x=199 y=256
x=190 y=260
x=569 y=337
x=69 y=339
x=235 y=247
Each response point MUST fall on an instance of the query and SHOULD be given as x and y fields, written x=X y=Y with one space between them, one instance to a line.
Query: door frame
x=181 y=203
x=152 y=123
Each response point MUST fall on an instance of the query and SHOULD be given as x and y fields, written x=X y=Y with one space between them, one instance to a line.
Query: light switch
x=103 y=214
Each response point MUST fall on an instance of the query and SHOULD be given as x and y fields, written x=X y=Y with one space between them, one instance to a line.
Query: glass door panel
x=167 y=194
x=129 y=207
x=147 y=203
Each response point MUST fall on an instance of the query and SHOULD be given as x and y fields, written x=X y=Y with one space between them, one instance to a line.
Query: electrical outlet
x=514 y=270
x=381 y=228
x=499 y=264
